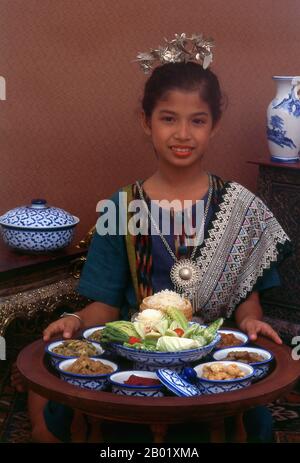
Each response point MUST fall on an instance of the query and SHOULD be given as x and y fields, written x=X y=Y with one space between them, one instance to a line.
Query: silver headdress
x=179 y=50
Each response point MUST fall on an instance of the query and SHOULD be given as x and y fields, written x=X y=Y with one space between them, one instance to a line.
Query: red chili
x=133 y=340
x=179 y=331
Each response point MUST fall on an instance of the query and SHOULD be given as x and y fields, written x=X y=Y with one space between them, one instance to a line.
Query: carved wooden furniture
x=159 y=412
x=31 y=284
x=279 y=188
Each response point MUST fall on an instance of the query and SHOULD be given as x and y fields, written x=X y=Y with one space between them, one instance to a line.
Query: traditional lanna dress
x=242 y=244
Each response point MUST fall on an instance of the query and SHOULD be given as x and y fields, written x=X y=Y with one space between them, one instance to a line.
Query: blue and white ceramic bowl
x=91 y=382
x=38 y=227
x=238 y=334
x=261 y=369
x=87 y=333
x=151 y=361
x=56 y=358
x=208 y=386
x=119 y=387
x=109 y=348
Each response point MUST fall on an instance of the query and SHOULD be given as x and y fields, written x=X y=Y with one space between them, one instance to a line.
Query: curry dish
x=86 y=366
x=75 y=348
x=218 y=372
x=96 y=336
x=229 y=340
x=245 y=357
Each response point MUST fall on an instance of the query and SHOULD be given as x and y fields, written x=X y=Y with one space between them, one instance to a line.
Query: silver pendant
x=185 y=275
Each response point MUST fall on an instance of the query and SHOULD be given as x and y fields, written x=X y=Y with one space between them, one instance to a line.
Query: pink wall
x=69 y=130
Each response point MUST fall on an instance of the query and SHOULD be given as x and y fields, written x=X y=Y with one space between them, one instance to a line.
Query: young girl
x=181 y=112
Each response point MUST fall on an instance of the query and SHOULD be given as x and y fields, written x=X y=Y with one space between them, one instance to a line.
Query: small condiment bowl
x=108 y=347
x=56 y=358
x=87 y=333
x=96 y=382
x=119 y=387
x=209 y=386
x=261 y=368
x=238 y=334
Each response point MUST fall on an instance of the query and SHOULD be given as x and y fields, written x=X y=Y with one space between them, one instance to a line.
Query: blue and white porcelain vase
x=283 y=120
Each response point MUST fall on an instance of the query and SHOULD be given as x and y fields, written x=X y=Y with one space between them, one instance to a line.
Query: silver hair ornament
x=181 y=49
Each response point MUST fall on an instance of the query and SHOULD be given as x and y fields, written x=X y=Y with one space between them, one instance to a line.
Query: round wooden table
x=161 y=411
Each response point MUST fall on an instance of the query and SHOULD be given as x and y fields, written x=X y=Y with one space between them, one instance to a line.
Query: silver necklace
x=185 y=273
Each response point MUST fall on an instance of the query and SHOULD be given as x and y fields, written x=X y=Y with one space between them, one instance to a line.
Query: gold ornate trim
x=85 y=242
x=45 y=299
x=76 y=267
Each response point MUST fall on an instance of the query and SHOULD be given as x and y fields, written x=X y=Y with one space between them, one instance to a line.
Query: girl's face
x=181 y=127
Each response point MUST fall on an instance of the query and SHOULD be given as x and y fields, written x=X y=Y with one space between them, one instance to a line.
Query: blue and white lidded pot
x=283 y=120
x=38 y=227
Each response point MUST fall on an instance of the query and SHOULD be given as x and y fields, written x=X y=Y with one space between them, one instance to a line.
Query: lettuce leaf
x=139 y=328
x=176 y=344
x=162 y=326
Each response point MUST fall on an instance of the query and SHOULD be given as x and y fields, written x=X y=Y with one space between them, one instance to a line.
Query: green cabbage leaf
x=176 y=344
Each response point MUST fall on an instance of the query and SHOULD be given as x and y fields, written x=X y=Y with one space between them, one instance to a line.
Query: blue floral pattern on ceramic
x=57 y=358
x=136 y=392
x=177 y=384
x=91 y=382
x=261 y=369
x=37 y=215
x=86 y=383
x=208 y=386
x=153 y=367
x=38 y=227
x=119 y=386
x=283 y=120
x=151 y=361
x=37 y=240
x=277 y=134
x=289 y=104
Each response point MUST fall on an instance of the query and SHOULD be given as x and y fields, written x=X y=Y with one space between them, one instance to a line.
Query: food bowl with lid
x=38 y=227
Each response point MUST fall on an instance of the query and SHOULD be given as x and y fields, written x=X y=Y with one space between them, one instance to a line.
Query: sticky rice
x=166 y=298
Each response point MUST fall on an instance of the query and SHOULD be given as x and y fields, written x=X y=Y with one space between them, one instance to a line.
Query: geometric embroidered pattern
x=242 y=242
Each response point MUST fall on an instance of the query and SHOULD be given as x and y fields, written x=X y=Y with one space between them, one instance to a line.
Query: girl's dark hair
x=183 y=76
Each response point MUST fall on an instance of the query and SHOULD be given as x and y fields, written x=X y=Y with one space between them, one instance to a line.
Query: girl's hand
x=67 y=326
x=253 y=327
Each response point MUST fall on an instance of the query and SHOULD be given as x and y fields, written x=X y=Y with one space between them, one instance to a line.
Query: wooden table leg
x=217 y=431
x=78 y=427
x=159 y=432
x=240 y=434
x=95 y=434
